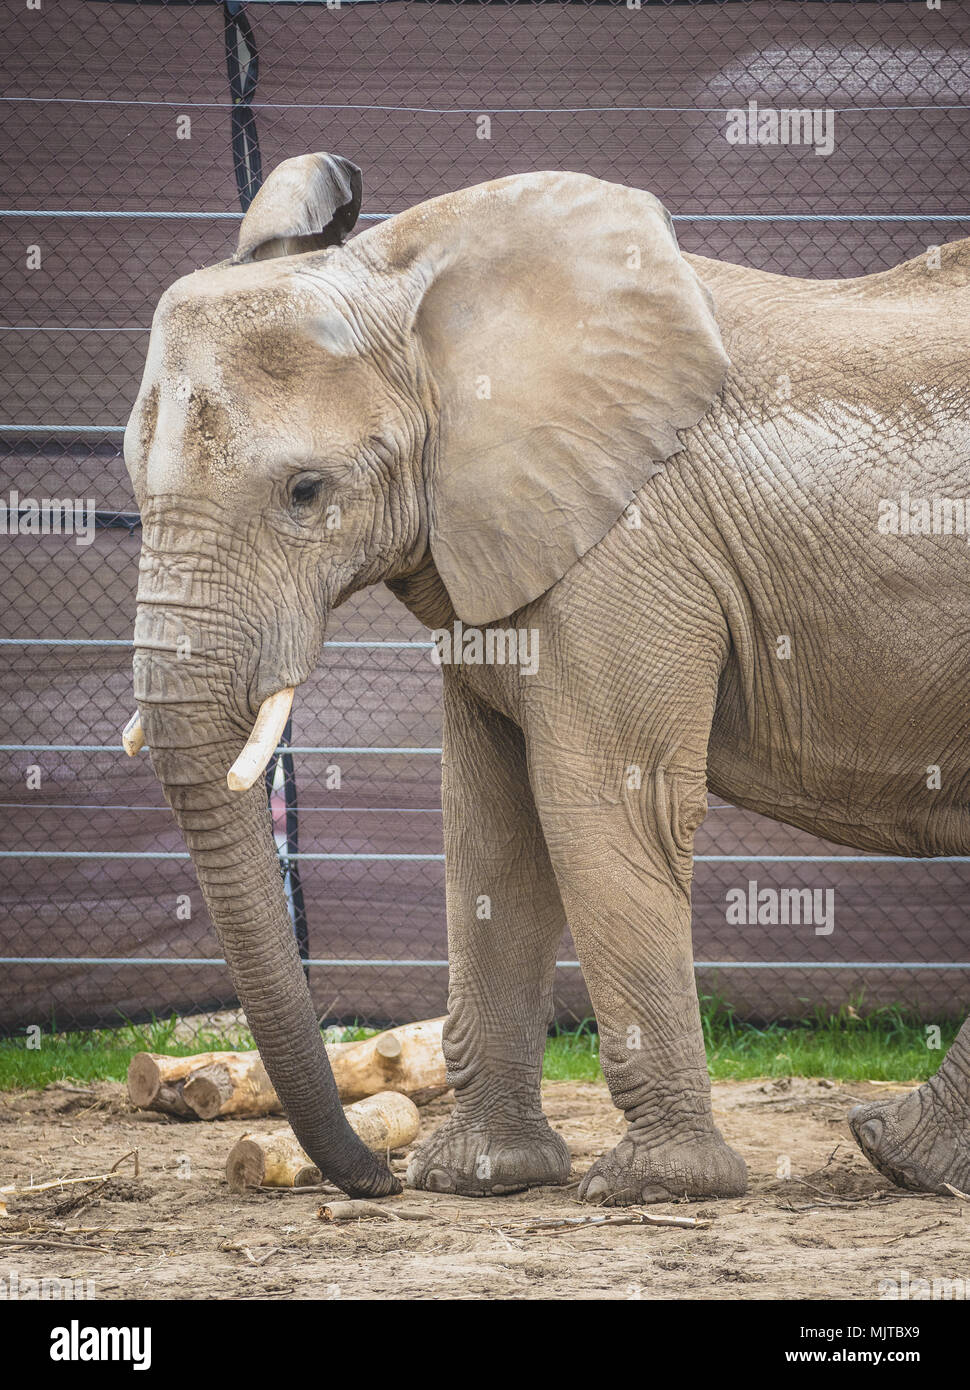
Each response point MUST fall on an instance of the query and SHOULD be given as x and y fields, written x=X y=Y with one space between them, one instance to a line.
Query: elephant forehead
x=245 y=332
x=199 y=324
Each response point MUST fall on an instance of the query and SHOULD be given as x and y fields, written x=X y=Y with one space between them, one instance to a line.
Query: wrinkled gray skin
x=306 y=374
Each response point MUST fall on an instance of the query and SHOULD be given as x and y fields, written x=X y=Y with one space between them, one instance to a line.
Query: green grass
x=103 y=1054
x=887 y=1044
x=852 y=1044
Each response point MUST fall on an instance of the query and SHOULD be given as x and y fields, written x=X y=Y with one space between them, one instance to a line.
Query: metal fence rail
x=135 y=134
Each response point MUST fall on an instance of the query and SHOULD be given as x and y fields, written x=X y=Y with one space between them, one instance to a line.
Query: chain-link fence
x=133 y=135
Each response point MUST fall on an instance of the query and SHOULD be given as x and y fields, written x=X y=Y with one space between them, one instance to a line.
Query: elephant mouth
x=260 y=746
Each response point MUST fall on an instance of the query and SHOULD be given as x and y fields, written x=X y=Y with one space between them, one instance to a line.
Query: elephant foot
x=917 y=1141
x=634 y=1174
x=471 y=1160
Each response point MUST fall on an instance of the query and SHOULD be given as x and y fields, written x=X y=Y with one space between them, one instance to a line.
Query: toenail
x=870 y=1133
x=655 y=1194
x=439 y=1180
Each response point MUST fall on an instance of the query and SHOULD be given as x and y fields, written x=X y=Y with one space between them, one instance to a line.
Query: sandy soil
x=175 y=1231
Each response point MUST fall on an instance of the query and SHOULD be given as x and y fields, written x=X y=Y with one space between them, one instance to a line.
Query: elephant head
x=485 y=379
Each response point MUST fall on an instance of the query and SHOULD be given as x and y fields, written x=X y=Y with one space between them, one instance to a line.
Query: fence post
x=290 y=867
x=242 y=64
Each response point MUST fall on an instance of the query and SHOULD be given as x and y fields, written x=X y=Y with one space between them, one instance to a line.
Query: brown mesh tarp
x=93 y=96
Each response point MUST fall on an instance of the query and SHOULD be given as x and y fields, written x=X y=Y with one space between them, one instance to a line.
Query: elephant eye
x=305 y=492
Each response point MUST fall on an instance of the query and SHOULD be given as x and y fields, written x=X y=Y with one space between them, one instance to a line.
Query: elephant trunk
x=229 y=836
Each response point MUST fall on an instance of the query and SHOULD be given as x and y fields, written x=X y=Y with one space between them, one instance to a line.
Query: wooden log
x=155 y=1082
x=168 y=1100
x=270 y=1160
x=388 y=1120
x=406 y=1059
x=236 y=1085
x=385 y=1121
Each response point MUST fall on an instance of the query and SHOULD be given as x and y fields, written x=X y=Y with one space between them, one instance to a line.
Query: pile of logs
x=202 y=1087
x=381 y=1081
x=212 y=1084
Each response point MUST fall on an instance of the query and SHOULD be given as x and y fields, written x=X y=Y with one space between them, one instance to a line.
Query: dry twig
x=632 y=1216
x=12 y=1190
x=364 y=1211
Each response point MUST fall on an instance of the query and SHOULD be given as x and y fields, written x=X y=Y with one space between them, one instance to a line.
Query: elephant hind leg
x=921 y=1141
x=619 y=821
x=630 y=919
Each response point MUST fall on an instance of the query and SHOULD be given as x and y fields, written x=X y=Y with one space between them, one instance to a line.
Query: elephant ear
x=305 y=204
x=568 y=342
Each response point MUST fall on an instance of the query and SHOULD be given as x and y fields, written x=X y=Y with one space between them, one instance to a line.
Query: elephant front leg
x=624 y=876
x=505 y=921
x=922 y=1140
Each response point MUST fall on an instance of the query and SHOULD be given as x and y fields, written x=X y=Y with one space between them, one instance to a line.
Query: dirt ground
x=833 y=1230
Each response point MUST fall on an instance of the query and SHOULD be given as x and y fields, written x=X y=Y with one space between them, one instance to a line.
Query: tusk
x=133 y=736
x=269 y=726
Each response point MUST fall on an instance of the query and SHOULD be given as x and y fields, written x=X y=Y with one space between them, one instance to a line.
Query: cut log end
x=388 y=1046
x=246 y=1165
x=144 y=1080
x=208 y=1090
x=270 y=1160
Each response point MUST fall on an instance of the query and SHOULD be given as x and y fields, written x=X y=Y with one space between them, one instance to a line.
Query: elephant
x=707 y=497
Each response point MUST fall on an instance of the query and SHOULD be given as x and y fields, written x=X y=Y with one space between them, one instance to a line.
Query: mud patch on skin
x=833 y=1229
x=208 y=435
